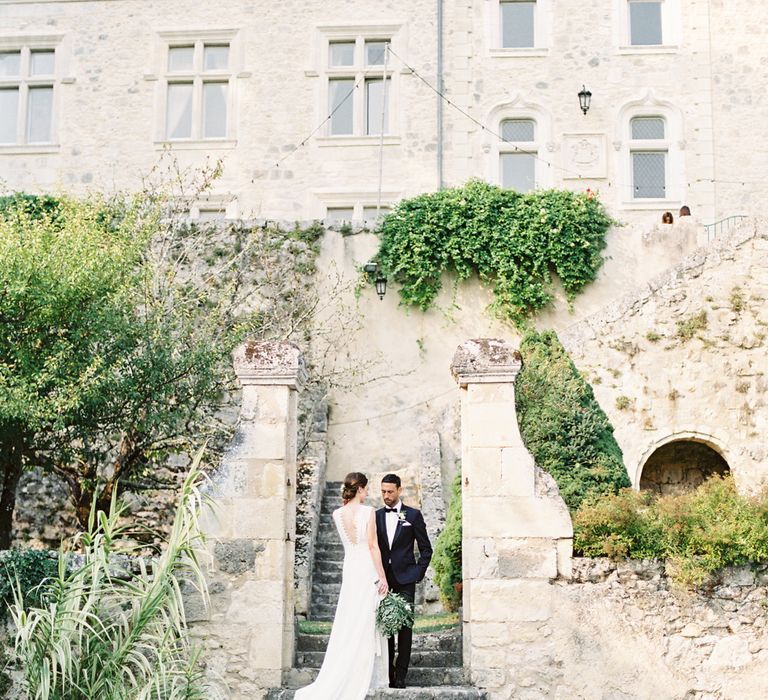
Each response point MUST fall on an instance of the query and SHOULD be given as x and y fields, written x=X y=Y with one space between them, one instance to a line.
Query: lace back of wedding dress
x=356 y=658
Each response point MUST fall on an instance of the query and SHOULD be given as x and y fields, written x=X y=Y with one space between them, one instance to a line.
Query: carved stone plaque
x=584 y=156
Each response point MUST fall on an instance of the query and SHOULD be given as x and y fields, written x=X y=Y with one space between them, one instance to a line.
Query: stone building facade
x=97 y=92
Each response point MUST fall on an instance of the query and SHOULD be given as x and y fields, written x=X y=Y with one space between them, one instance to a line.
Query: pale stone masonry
x=706 y=79
x=660 y=385
x=247 y=628
x=517 y=534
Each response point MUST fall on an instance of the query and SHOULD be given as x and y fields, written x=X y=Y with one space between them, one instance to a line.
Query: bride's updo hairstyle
x=353 y=482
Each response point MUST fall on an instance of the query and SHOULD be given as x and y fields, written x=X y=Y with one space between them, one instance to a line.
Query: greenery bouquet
x=393 y=613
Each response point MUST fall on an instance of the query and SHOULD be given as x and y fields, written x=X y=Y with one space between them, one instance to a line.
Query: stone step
x=330 y=547
x=328 y=564
x=447 y=640
x=417 y=677
x=434 y=693
x=326 y=592
x=322 y=611
x=425 y=658
x=325 y=577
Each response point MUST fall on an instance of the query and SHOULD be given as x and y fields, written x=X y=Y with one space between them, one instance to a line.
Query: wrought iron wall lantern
x=378 y=278
x=585 y=99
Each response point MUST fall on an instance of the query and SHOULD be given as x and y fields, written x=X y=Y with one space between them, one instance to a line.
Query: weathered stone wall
x=683 y=357
x=707 y=78
x=623 y=631
x=247 y=626
x=710 y=644
x=516 y=531
x=538 y=624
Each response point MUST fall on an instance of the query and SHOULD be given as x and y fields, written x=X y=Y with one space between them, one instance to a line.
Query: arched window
x=648 y=148
x=518 y=154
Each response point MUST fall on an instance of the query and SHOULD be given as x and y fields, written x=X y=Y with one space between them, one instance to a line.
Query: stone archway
x=681 y=465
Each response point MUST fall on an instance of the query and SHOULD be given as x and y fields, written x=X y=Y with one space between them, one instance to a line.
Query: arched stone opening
x=681 y=465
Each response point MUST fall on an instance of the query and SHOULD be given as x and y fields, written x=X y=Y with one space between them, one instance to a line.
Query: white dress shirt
x=391 y=520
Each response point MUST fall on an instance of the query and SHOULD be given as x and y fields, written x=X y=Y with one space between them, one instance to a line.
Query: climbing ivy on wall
x=512 y=241
x=562 y=424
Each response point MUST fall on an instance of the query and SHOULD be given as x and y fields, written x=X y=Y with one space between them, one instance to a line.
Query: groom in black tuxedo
x=398 y=527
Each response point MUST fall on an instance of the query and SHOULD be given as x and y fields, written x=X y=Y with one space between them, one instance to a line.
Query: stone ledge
x=485 y=361
x=269 y=363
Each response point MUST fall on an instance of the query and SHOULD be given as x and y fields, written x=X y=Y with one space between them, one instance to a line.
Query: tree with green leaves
x=117 y=323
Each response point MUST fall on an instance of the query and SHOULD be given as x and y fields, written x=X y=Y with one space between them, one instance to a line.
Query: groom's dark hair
x=391 y=479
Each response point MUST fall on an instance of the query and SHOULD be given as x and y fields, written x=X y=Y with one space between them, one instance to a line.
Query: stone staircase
x=436 y=670
x=329 y=557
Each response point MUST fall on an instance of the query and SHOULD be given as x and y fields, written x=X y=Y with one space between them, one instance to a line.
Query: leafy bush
x=698 y=532
x=25 y=571
x=36 y=206
x=109 y=631
x=562 y=424
x=446 y=560
x=513 y=241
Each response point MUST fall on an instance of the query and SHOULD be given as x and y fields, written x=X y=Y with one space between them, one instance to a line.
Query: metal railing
x=723 y=226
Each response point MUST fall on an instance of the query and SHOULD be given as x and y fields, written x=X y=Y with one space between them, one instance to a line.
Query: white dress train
x=356 y=659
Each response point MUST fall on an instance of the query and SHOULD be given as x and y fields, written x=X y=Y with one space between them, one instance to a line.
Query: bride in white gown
x=356 y=658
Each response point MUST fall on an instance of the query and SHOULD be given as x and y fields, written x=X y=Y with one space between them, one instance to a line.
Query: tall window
x=645 y=25
x=517 y=23
x=517 y=154
x=27 y=79
x=358 y=96
x=198 y=79
x=648 y=152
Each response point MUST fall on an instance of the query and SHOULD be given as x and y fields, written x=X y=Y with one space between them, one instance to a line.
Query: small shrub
x=652 y=337
x=446 y=560
x=623 y=402
x=28 y=569
x=697 y=532
x=562 y=424
x=688 y=328
x=742 y=387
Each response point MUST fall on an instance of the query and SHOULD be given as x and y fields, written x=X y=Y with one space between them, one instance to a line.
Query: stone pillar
x=249 y=628
x=517 y=532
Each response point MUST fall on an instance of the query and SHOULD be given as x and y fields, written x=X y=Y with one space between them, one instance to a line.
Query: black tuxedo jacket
x=410 y=528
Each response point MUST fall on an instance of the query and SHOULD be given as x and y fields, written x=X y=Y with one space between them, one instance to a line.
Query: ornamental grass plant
x=113 y=627
x=697 y=532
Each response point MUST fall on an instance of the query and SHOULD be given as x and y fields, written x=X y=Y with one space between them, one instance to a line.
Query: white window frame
x=648 y=146
x=674 y=144
x=542 y=31
x=671 y=26
x=528 y=147
x=355 y=199
x=224 y=204
x=26 y=44
x=159 y=72
x=492 y=147
x=359 y=72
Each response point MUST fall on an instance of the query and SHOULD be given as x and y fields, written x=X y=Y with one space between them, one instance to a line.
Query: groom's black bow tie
x=390 y=510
